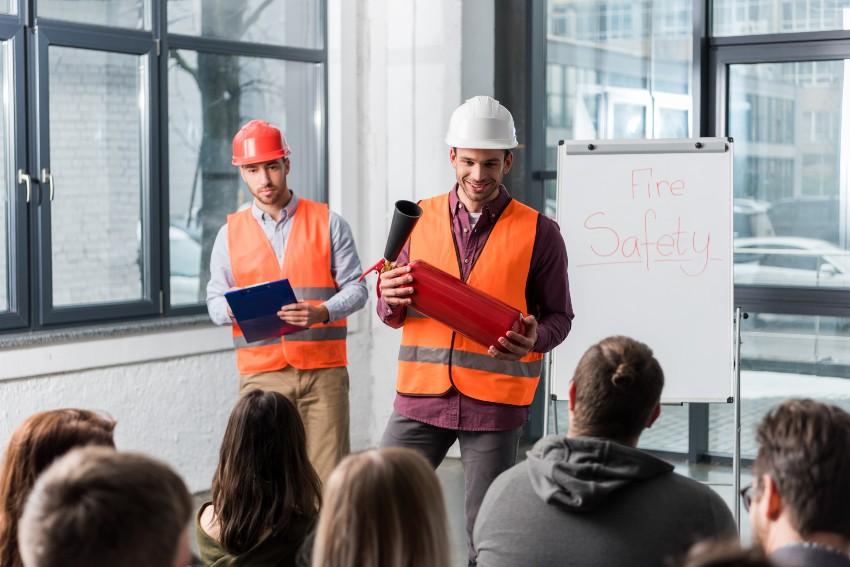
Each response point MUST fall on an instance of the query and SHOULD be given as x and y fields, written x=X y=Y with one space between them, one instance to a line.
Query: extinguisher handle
x=377 y=268
x=519 y=326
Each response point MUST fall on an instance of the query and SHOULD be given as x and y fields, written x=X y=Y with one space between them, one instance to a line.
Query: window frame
x=773 y=48
x=29 y=264
x=709 y=89
x=232 y=48
x=18 y=314
x=50 y=33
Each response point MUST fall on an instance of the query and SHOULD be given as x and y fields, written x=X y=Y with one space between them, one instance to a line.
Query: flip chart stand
x=736 y=449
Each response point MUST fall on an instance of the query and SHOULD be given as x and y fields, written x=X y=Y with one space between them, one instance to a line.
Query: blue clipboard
x=255 y=309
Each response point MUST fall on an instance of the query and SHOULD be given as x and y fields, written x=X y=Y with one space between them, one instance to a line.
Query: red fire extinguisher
x=456 y=304
x=443 y=297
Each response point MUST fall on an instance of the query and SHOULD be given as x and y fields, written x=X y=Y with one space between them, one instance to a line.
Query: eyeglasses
x=747 y=496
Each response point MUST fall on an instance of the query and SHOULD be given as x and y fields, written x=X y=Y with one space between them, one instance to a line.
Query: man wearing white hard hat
x=479 y=233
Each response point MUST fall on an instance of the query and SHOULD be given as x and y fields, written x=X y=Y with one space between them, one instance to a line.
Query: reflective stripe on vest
x=432 y=357
x=473 y=360
x=307 y=264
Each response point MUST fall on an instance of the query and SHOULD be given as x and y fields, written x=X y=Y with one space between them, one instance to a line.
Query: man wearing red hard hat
x=449 y=387
x=282 y=235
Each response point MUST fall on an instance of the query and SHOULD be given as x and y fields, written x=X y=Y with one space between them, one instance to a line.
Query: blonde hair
x=382 y=508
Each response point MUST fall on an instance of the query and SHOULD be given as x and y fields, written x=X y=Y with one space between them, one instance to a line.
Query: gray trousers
x=484 y=454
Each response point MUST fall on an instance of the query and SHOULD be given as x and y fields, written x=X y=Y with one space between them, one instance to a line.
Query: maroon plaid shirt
x=548 y=298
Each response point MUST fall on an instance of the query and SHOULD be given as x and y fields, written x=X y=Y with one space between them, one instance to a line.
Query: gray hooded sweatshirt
x=592 y=502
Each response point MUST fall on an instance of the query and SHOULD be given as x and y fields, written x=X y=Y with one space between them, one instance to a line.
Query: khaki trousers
x=321 y=397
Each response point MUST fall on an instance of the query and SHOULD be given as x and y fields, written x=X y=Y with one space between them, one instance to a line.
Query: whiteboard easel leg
x=549 y=406
x=554 y=402
x=736 y=450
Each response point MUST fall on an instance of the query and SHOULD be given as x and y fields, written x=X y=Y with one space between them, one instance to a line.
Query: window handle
x=23 y=177
x=47 y=177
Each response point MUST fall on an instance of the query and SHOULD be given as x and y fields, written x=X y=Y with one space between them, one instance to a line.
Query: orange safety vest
x=307 y=264
x=432 y=357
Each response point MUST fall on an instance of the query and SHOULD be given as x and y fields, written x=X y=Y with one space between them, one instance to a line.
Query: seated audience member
x=265 y=492
x=382 y=508
x=96 y=507
x=34 y=445
x=799 y=503
x=592 y=498
x=724 y=554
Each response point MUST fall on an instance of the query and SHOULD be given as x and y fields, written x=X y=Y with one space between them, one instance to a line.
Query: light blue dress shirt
x=345 y=264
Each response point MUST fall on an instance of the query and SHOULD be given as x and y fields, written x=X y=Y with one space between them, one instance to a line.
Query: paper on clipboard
x=255 y=309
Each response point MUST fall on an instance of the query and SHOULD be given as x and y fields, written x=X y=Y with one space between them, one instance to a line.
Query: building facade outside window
x=636 y=70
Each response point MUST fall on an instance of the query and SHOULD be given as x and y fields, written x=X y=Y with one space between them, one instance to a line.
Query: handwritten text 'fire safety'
x=660 y=240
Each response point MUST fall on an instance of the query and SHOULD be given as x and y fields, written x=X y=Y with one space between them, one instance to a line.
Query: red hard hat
x=257 y=142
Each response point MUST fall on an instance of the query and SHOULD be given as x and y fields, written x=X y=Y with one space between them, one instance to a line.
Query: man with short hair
x=96 y=507
x=592 y=499
x=449 y=387
x=799 y=502
x=284 y=235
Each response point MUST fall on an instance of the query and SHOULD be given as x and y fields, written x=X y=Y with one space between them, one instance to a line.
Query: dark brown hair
x=96 y=507
x=724 y=554
x=34 y=445
x=804 y=446
x=507 y=152
x=618 y=384
x=263 y=476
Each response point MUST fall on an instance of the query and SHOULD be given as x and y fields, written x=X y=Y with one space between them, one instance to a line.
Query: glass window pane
x=8 y=6
x=296 y=23
x=7 y=185
x=618 y=69
x=669 y=432
x=787 y=122
x=134 y=14
x=784 y=356
x=210 y=97
x=629 y=121
x=751 y=17
x=550 y=196
x=99 y=162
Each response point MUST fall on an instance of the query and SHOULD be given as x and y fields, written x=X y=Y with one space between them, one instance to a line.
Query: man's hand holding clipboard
x=270 y=310
x=303 y=314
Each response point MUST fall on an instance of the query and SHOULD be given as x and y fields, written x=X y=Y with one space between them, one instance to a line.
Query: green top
x=278 y=549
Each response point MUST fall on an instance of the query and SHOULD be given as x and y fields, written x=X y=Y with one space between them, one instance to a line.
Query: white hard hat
x=482 y=123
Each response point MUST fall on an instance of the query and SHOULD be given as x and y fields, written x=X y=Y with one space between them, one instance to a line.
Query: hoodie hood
x=581 y=473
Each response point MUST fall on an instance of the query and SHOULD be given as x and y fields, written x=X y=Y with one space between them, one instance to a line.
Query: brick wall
x=96 y=160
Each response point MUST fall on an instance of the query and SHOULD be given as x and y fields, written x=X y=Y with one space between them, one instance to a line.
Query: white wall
x=170 y=392
x=394 y=78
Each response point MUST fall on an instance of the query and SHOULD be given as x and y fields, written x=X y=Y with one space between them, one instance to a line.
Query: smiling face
x=479 y=174
x=267 y=181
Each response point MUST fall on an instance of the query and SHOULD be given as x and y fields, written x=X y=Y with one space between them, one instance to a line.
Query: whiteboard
x=648 y=229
